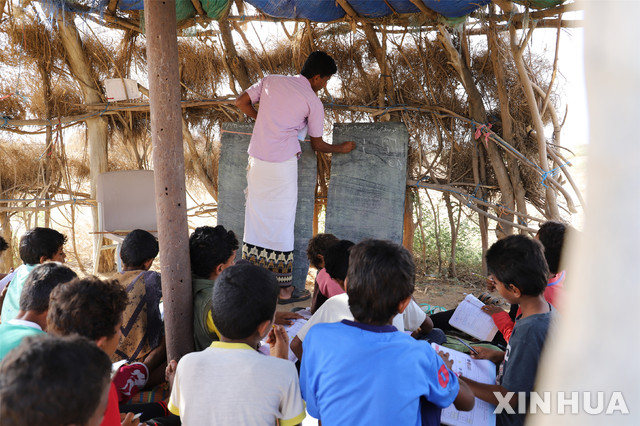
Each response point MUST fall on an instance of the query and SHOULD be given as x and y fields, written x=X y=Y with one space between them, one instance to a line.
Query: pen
x=470 y=348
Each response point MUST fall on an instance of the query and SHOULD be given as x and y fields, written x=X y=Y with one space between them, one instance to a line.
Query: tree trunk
x=235 y=62
x=551 y=204
x=507 y=120
x=96 y=126
x=386 y=93
x=454 y=236
x=479 y=114
x=409 y=226
x=46 y=162
x=169 y=177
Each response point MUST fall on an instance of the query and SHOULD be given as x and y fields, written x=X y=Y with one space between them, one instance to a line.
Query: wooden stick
x=198 y=7
x=46 y=207
x=447 y=188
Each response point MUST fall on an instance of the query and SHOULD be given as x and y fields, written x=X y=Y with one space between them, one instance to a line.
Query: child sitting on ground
x=212 y=250
x=231 y=382
x=36 y=246
x=337 y=308
x=367 y=372
x=517 y=266
x=54 y=381
x=92 y=308
x=34 y=304
x=552 y=237
x=143 y=331
x=316 y=250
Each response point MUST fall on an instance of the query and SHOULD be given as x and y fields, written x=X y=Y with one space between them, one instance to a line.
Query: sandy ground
x=432 y=291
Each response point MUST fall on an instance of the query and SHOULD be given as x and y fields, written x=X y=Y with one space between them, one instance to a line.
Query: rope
x=552 y=173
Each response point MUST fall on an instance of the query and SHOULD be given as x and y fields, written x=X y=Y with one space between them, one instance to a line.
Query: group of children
x=358 y=362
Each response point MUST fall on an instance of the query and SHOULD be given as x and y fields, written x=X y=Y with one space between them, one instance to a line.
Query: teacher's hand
x=347 y=146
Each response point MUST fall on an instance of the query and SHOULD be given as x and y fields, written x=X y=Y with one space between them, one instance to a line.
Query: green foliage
x=435 y=247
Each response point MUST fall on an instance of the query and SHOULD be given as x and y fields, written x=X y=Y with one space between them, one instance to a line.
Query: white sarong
x=272 y=196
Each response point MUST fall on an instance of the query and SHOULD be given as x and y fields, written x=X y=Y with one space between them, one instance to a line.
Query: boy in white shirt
x=230 y=382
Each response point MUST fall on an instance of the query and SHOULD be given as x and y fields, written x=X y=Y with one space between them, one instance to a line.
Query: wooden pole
x=168 y=160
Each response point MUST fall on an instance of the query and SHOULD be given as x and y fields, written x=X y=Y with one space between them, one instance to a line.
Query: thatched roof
x=394 y=63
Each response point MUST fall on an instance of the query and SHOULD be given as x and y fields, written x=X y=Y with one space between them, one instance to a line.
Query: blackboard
x=307 y=171
x=232 y=177
x=232 y=181
x=367 y=186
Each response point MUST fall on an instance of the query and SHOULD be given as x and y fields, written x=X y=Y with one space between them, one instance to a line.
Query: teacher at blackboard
x=289 y=109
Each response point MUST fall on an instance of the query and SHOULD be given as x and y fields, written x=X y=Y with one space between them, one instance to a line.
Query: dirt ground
x=429 y=290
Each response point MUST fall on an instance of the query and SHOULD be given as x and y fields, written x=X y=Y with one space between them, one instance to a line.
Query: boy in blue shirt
x=34 y=305
x=37 y=245
x=367 y=372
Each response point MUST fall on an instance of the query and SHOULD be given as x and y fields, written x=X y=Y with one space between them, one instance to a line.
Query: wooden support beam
x=539 y=14
x=545 y=23
x=430 y=14
x=198 y=7
x=168 y=160
x=505 y=5
x=112 y=6
x=344 y=4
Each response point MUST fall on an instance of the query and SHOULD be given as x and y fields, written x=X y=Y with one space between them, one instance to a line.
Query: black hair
x=336 y=259
x=319 y=63
x=52 y=381
x=244 y=296
x=3 y=245
x=41 y=282
x=519 y=260
x=380 y=276
x=90 y=307
x=551 y=235
x=138 y=247
x=209 y=247
x=317 y=247
x=39 y=242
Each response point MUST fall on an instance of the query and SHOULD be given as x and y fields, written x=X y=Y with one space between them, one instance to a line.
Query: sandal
x=297 y=296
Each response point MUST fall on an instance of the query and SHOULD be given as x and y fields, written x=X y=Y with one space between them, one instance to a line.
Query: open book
x=470 y=318
x=480 y=370
x=292 y=330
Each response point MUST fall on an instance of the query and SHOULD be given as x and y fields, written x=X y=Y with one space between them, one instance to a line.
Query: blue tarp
x=455 y=8
x=314 y=10
x=131 y=4
x=328 y=10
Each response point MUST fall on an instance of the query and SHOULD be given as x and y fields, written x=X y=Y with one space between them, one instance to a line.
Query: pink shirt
x=327 y=285
x=287 y=105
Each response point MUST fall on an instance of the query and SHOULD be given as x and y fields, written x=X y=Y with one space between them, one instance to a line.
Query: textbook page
x=470 y=318
x=291 y=330
x=480 y=370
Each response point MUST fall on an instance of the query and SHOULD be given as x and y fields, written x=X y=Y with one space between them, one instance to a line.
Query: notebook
x=470 y=318
x=480 y=370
